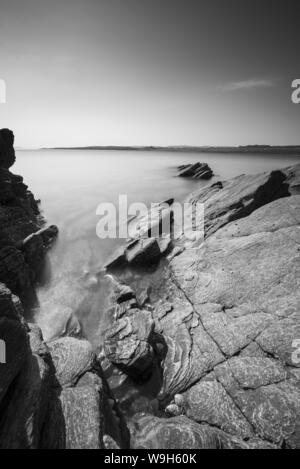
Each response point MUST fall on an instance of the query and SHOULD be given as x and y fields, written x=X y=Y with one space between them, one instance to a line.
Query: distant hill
x=290 y=149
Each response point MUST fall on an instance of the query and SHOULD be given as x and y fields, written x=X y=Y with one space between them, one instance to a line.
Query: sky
x=150 y=72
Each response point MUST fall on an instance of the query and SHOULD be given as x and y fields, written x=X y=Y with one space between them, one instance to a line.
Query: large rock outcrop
x=228 y=313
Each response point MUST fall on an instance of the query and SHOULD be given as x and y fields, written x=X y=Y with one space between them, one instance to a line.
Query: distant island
x=289 y=149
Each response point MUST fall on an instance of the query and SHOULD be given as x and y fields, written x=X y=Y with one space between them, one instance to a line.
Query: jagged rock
x=195 y=170
x=149 y=238
x=156 y=221
x=128 y=343
x=7 y=152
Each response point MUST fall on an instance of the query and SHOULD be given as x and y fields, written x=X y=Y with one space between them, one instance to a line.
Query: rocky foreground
x=217 y=338
x=201 y=352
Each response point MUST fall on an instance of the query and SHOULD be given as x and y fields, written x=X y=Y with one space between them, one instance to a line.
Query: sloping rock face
x=242 y=286
x=239 y=197
x=228 y=313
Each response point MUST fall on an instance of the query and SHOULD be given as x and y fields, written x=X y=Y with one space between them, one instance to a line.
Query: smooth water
x=72 y=183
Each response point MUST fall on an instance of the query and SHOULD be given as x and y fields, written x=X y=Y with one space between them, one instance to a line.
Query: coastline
x=212 y=337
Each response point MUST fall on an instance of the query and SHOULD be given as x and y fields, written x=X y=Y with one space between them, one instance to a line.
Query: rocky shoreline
x=199 y=352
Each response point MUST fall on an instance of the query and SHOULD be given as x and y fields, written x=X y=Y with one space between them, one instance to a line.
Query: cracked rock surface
x=228 y=311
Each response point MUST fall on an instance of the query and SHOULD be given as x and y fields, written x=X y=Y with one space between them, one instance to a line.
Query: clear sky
x=150 y=72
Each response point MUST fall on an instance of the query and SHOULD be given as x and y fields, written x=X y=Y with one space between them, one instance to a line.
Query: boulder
x=129 y=342
x=196 y=171
x=71 y=359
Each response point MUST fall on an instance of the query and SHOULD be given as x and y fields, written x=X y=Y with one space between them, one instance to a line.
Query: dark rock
x=15 y=338
x=143 y=252
x=24 y=415
x=7 y=152
x=196 y=171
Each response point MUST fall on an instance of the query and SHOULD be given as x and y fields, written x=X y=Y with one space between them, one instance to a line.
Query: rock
x=109 y=443
x=179 y=400
x=116 y=260
x=278 y=340
x=239 y=197
x=254 y=372
x=165 y=245
x=154 y=223
x=196 y=171
x=14 y=271
x=233 y=321
x=208 y=402
x=149 y=432
x=14 y=335
x=129 y=342
x=143 y=252
x=272 y=410
x=71 y=359
x=172 y=410
x=149 y=238
x=7 y=152
x=24 y=416
x=81 y=410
